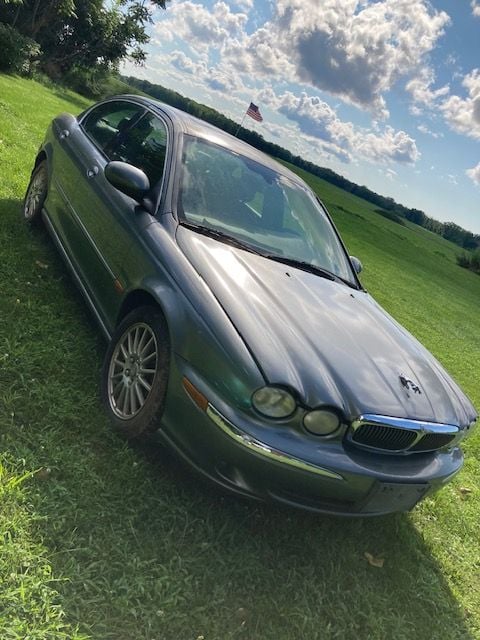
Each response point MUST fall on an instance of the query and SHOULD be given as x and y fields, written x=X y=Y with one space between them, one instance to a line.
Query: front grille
x=398 y=435
x=433 y=441
x=381 y=437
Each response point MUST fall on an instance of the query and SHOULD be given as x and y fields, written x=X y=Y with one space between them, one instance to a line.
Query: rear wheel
x=36 y=194
x=135 y=373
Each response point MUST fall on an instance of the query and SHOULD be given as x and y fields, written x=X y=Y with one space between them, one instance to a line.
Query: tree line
x=394 y=210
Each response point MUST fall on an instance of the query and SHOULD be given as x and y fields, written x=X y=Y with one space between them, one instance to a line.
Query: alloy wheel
x=132 y=370
x=35 y=195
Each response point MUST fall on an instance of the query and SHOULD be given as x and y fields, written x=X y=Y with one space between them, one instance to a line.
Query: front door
x=99 y=221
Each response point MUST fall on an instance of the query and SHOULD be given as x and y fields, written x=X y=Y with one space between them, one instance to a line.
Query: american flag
x=254 y=112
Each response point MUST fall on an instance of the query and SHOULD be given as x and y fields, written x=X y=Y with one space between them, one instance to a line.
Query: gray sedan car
x=237 y=325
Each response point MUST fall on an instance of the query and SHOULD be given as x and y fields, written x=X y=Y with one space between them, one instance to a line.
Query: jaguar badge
x=409 y=385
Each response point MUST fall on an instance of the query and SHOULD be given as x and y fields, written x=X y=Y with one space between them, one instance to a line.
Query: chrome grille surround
x=402 y=436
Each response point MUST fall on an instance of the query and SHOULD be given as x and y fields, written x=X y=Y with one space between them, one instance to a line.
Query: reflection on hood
x=334 y=346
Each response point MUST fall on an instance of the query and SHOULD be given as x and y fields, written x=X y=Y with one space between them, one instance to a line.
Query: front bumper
x=274 y=463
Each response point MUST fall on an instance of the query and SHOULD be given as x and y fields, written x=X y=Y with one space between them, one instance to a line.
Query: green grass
x=105 y=541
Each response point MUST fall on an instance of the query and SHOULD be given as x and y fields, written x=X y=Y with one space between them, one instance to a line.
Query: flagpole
x=239 y=126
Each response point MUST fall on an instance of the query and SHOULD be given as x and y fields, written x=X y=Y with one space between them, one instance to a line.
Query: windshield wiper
x=220 y=235
x=311 y=268
x=299 y=264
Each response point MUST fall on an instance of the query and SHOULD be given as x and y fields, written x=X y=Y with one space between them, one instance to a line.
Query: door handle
x=92 y=172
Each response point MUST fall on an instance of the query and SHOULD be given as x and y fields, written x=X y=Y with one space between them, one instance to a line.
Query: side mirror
x=357 y=265
x=127 y=179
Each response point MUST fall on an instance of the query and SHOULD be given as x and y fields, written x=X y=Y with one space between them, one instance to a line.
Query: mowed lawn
x=103 y=540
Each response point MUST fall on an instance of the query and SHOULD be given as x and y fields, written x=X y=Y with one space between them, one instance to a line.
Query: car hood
x=334 y=345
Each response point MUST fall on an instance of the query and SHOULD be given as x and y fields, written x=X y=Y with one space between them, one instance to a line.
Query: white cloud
x=424 y=129
x=349 y=48
x=183 y=63
x=463 y=114
x=357 y=50
x=395 y=146
x=390 y=174
x=217 y=78
x=259 y=54
x=475 y=4
x=245 y=5
x=422 y=93
x=317 y=119
x=474 y=174
x=199 y=27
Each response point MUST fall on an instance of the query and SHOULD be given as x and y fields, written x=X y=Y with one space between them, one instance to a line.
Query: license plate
x=390 y=496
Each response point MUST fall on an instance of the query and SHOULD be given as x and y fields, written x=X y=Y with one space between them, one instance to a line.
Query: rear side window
x=107 y=122
x=144 y=145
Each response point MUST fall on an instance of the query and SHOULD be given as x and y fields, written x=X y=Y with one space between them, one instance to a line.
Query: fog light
x=321 y=422
x=274 y=402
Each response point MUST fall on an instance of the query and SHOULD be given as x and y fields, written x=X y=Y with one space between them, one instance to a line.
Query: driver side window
x=108 y=121
x=144 y=146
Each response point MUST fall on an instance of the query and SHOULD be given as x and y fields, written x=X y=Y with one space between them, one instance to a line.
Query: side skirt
x=76 y=277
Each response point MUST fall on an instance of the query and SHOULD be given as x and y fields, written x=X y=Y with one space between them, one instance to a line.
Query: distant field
x=103 y=541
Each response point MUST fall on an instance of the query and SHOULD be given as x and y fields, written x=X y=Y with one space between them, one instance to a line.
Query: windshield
x=230 y=193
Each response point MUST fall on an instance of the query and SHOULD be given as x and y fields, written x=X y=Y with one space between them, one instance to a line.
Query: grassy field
x=102 y=540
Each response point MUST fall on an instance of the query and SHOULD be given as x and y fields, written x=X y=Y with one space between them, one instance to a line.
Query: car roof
x=191 y=125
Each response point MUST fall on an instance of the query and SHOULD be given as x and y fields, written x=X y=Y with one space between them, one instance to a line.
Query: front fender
x=200 y=331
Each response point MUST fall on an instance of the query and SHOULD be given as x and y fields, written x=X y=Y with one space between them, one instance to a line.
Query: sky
x=384 y=92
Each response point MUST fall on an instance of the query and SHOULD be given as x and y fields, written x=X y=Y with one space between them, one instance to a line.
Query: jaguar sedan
x=238 y=328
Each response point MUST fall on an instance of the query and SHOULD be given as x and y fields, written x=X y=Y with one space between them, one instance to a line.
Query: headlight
x=274 y=402
x=321 y=422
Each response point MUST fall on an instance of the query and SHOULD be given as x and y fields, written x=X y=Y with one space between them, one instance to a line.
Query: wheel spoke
x=142 y=339
x=148 y=371
x=144 y=384
x=139 y=393
x=117 y=387
x=133 y=399
x=124 y=351
x=135 y=339
x=121 y=396
x=126 y=401
x=30 y=205
x=147 y=358
x=144 y=349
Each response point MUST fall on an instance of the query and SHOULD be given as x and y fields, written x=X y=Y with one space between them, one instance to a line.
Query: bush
x=96 y=82
x=19 y=54
x=471 y=261
x=390 y=215
x=92 y=83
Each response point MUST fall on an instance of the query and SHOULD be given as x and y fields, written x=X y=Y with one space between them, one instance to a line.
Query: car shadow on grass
x=140 y=548
x=223 y=567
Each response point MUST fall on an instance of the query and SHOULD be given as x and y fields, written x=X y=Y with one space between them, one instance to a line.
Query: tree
x=83 y=33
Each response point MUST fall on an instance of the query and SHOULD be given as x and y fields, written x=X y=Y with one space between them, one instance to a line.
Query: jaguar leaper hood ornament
x=409 y=385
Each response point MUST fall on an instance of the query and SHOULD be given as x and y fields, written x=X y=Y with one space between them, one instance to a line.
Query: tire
x=135 y=373
x=36 y=194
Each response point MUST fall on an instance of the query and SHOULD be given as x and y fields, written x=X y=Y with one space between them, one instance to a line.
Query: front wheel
x=36 y=194
x=135 y=373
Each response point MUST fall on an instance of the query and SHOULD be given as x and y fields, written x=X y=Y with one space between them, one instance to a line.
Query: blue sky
x=385 y=92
